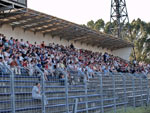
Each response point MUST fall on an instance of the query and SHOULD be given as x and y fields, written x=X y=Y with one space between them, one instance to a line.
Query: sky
x=82 y=11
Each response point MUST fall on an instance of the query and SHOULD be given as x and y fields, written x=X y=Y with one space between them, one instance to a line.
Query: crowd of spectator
x=54 y=59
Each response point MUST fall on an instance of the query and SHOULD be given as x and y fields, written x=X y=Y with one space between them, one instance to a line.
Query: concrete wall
x=123 y=52
x=18 y=33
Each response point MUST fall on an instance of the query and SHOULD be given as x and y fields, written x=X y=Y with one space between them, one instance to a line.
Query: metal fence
x=69 y=92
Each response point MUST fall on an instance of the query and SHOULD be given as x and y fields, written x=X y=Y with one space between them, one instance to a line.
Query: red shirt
x=24 y=64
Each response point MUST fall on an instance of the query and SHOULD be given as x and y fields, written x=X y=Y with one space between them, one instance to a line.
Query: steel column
x=133 y=87
x=141 y=82
x=114 y=92
x=147 y=81
x=101 y=92
x=86 y=98
x=12 y=92
x=43 y=89
x=75 y=107
x=66 y=91
x=12 y=88
x=125 y=92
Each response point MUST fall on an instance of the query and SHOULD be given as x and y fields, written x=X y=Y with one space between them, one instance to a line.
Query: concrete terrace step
x=38 y=107
x=55 y=92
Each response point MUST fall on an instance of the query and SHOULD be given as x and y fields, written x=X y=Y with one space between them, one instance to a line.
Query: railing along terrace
x=69 y=91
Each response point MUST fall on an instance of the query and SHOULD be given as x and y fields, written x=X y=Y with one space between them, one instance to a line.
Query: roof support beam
x=117 y=46
x=104 y=41
x=81 y=38
x=71 y=32
x=49 y=27
x=56 y=30
x=86 y=40
x=40 y=24
x=96 y=41
x=79 y=35
x=18 y=19
x=12 y=14
x=66 y=29
x=34 y=20
x=113 y=44
x=75 y=36
x=90 y=41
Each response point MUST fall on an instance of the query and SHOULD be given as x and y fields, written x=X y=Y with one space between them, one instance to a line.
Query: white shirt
x=6 y=54
x=35 y=93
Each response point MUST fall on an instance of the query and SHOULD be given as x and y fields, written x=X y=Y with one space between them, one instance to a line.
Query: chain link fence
x=70 y=92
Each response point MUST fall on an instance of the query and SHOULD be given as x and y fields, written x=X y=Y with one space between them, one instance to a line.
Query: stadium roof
x=39 y=22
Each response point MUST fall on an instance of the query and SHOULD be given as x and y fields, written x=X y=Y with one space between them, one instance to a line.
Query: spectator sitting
x=55 y=59
x=36 y=93
x=14 y=66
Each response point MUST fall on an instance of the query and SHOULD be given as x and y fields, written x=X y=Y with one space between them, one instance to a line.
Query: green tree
x=98 y=25
x=138 y=33
x=91 y=24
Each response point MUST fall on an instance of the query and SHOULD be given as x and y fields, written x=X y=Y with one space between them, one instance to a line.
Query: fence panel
x=56 y=91
x=144 y=91
x=70 y=92
x=23 y=85
x=94 y=93
x=108 y=93
x=76 y=90
x=6 y=87
x=120 y=91
x=124 y=78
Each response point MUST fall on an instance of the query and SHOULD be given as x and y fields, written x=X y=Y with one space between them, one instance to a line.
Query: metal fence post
x=43 y=89
x=43 y=93
x=66 y=92
x=147 y=81
x=12 y=93
x=125 y=92
x=114 y=92
x=101 y=92
x=12 y=86
x=133 y=87
x=86 y=98
x=75 y=107
x=141 y=82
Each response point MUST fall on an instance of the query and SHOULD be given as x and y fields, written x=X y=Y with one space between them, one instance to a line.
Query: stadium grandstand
x=47 y=28
x=50 y=65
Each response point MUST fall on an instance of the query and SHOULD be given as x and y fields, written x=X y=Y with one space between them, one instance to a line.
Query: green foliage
x=91 y=24
x=98 y=25
x=138 y=33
